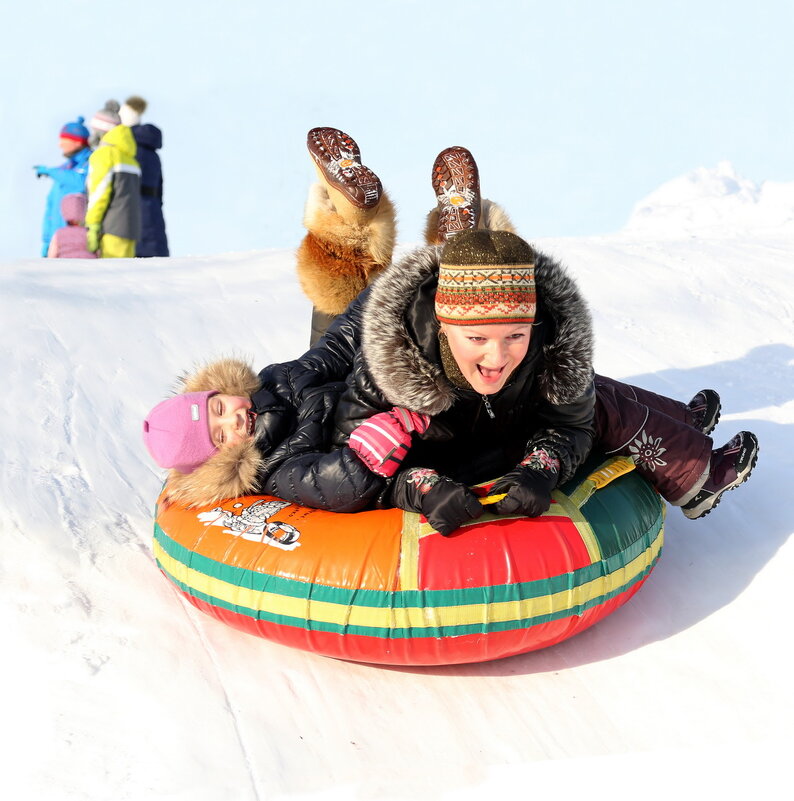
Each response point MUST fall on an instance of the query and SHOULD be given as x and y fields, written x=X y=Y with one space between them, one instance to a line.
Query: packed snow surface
x=116 y=688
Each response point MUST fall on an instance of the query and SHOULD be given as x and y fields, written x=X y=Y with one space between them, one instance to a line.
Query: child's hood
x=73 y=207
x=148 y=135
x=227 y=376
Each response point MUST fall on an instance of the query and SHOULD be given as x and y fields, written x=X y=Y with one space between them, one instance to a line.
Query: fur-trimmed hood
x=230 y=472
x=399 y=362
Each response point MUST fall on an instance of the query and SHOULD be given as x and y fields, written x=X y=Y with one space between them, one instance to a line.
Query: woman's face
x=488 y=354
x=230 y=420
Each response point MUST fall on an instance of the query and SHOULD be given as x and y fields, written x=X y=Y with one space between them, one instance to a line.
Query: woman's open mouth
x=251 y=422
x=490 y=375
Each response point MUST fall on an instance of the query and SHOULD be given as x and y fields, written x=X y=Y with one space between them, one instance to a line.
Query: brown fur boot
x=492 y=218
x=345 y=248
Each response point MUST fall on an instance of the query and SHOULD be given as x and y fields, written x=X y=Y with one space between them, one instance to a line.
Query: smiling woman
x=459 y=334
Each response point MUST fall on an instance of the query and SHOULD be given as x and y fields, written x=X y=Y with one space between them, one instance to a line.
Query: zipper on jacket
x=488 y=407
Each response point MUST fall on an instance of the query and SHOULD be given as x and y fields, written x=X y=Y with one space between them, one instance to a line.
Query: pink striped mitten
x=382 y=441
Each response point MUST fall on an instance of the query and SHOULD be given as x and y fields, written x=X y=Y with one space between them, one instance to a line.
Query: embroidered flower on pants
x=646 y=452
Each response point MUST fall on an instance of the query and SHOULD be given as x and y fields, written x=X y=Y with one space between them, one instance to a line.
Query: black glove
x=529 y=486
x=445 y=503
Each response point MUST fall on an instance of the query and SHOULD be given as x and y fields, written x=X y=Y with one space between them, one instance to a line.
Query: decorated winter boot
x=456 y=183
x=731 y=465
x=338 y=161
x=459 y=207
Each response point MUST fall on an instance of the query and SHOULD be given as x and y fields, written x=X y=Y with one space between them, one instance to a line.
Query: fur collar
x=231 y=472
x=406 y=375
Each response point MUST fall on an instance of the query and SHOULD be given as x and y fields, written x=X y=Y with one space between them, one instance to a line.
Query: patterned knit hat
x=486 y=277
x=176 y=432
x=75 y=131
x=106 y=118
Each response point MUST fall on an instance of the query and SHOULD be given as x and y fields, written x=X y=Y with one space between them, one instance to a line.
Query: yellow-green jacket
x=114 y=185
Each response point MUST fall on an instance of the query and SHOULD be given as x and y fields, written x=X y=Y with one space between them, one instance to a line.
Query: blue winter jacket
x=68 y=178
x=153 y=241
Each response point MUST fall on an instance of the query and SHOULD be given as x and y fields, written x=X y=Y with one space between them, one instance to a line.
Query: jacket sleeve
x=69 y=180
x=360 y=400
x=337 y=481
x=305 y=470
x=568 y=430
x=99 y=185
x=331 y=359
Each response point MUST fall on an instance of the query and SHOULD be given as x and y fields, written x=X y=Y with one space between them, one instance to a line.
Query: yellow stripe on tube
x=408 y=617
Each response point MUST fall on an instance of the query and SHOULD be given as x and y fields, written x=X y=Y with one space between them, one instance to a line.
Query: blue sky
x=574 y=111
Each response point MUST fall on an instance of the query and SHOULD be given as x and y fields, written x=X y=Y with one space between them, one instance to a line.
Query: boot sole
x=456 y=184
x=712 y=502
x=339 y=159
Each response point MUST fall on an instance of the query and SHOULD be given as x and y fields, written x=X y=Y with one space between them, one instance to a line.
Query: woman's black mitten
x=445 y=503
x=448 y=505
x=529 y=486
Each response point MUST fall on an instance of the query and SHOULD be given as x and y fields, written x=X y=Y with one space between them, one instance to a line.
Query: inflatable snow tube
x=384 y=587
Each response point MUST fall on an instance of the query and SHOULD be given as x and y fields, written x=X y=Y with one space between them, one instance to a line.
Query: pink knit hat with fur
x=176 y=432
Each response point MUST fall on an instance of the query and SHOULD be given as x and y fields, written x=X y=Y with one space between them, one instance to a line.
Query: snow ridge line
x=205 y=644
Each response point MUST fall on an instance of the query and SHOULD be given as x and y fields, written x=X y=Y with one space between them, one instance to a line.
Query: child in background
x=68 y=177
x=70 y=242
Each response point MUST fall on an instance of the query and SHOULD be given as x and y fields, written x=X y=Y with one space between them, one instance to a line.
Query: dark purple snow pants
x=656 y=432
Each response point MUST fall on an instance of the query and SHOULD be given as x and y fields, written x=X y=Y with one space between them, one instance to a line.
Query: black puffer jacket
x=291 y=455
x=548 y=402
x=303 y=468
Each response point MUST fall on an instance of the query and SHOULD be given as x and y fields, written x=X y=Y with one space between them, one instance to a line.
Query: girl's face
x=230 y=420
x=488 y=354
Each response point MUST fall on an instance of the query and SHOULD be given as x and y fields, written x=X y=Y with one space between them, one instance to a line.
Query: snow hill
x=716 y=202
x=114 y=688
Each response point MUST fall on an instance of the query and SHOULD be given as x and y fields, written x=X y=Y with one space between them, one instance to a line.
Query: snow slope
x=114 y=688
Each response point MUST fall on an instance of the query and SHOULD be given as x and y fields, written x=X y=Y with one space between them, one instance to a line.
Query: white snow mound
x=716 y=201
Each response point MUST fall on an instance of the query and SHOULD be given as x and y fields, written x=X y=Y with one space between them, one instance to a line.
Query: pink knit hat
x=176 y=432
